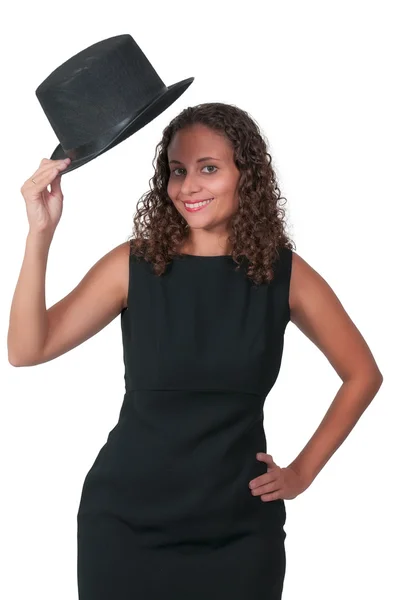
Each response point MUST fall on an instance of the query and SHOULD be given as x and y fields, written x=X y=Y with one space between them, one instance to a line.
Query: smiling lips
x=195 y=206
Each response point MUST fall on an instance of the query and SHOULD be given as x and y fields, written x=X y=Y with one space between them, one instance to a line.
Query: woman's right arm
x=36 y=334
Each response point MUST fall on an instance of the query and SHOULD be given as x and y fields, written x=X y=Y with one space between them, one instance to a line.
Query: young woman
x=183 y=500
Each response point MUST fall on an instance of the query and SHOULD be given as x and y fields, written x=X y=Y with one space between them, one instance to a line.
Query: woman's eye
x=206 y=167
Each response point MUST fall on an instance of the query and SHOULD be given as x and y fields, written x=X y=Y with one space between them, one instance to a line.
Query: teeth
x=197 y=204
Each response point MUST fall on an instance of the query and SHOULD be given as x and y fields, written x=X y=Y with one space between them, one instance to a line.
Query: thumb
x=56 y=187
x=267 y=458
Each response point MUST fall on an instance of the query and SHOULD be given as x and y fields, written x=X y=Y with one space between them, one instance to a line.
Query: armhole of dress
x=283 y=274
x=288 y=275
x=129 y=275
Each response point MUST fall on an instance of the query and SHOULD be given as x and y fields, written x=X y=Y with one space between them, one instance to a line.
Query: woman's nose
x=189 y=185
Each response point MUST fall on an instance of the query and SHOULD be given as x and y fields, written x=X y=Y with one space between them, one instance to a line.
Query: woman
x=183 y=500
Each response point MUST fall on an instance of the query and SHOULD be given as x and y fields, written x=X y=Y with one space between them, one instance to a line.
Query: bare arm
x=36 y=334
x=318 y=313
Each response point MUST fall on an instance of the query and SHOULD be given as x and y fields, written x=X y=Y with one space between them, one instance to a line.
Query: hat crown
x=98 y=88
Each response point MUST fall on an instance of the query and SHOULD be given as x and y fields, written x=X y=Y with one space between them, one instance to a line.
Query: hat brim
x=149 y=113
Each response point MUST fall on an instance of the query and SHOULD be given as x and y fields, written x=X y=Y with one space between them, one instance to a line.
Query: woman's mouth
x=195 y=206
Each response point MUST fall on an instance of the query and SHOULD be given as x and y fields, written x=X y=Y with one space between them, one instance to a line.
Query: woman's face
x=194 y=177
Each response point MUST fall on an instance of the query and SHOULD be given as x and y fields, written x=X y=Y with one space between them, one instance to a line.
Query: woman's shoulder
x=283 y=261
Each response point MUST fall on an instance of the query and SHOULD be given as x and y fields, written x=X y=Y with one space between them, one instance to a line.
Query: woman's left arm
x=319 y=314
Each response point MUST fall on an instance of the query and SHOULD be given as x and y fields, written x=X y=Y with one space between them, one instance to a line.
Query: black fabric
x=166 y=510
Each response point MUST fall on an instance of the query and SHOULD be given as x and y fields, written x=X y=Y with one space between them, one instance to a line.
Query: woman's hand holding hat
x=44 y=208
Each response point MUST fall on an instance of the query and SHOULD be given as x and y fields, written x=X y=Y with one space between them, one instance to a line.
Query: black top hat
x=101 y=96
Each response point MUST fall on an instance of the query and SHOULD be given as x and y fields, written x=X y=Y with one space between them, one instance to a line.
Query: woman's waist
x=142 y=447
x=178 y=421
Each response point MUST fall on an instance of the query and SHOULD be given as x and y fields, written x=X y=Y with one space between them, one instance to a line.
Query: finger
x=266 y=487
x=44 y=176
x=46 y=164
x=267 y=458
x=52 y=160
x=270 y=497
x=56 y=186
x=263 y=480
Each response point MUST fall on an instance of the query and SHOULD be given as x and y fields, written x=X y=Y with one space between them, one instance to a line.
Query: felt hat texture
x=101 y=96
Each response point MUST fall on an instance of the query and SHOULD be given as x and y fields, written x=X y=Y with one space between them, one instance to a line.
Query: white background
x=320 y=79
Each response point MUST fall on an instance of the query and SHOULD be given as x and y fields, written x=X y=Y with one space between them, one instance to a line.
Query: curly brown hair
x=257 y=229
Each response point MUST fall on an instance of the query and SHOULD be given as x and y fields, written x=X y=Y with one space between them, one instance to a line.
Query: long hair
x=257 y=228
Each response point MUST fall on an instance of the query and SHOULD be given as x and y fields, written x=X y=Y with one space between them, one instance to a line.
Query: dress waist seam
x=191 y=389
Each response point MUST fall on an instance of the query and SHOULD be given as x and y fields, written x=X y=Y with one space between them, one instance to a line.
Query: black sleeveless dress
x=166 y=511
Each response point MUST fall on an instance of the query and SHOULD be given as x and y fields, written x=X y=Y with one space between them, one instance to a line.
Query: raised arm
x=36 y=334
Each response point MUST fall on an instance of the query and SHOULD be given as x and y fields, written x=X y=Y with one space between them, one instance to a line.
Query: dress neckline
x=206 y=256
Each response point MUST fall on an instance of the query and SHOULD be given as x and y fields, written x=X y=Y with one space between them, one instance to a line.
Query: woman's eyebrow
x=199 y=160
